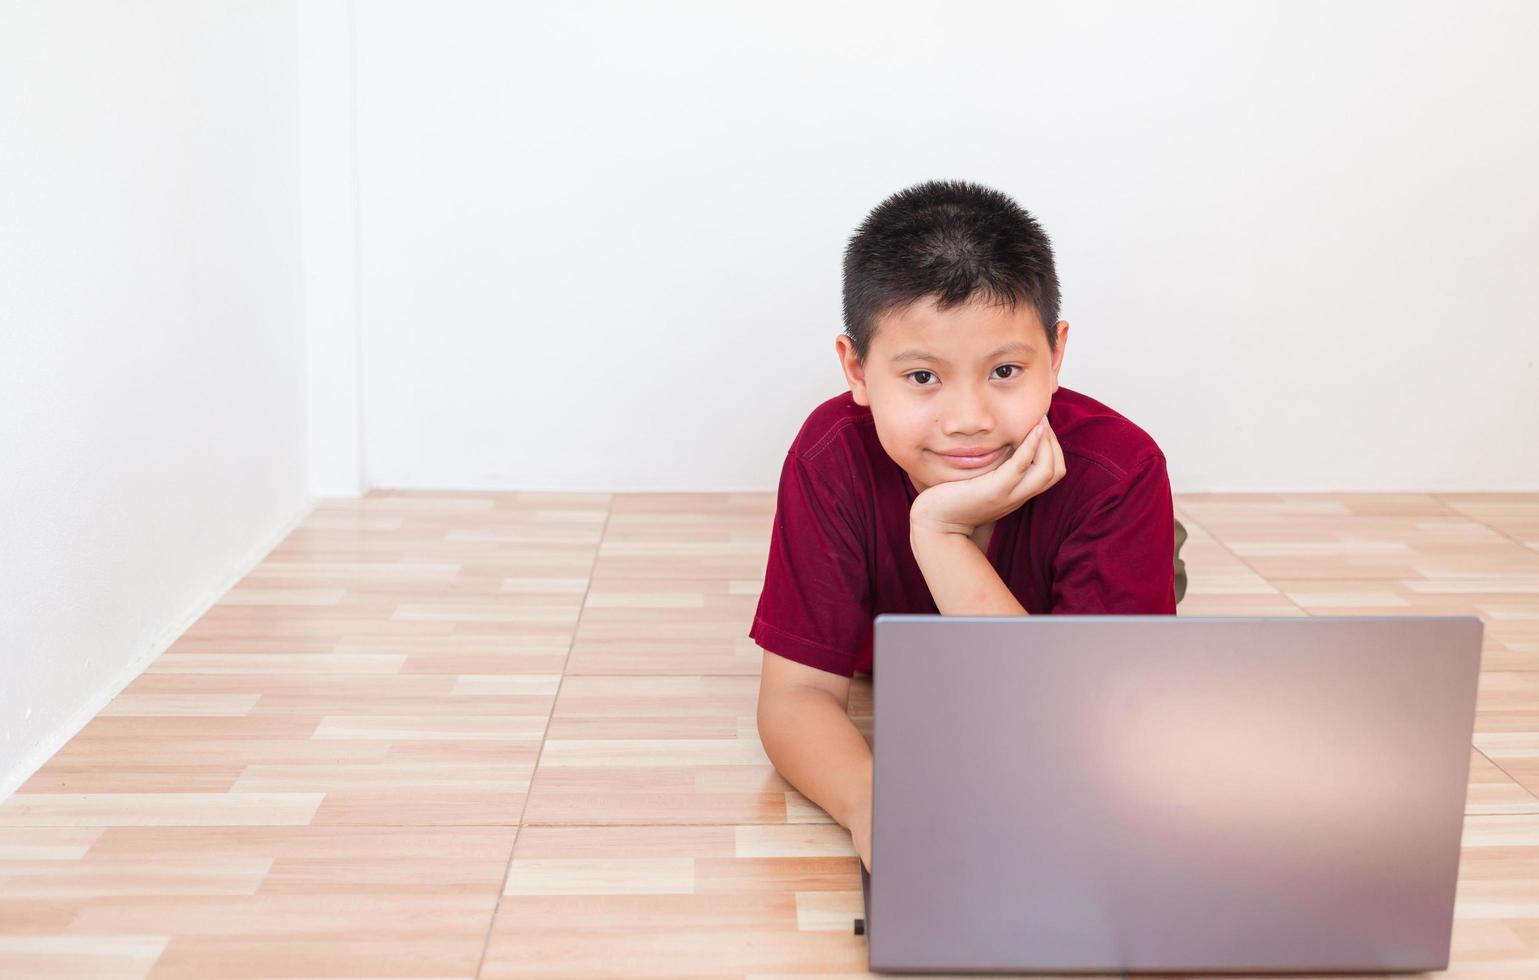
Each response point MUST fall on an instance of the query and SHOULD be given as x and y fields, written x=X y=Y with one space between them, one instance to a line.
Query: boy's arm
x=810 y=738
x=807 y=733
x=959 y=575
x=813 y=743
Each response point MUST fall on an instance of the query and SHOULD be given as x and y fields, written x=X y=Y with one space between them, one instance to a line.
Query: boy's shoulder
x=837 y=419
x=1094 y=432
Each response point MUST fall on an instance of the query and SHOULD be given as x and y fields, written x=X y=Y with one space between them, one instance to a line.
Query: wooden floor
x=468 y=734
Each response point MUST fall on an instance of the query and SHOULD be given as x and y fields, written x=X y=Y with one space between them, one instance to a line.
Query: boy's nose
x=968 y=417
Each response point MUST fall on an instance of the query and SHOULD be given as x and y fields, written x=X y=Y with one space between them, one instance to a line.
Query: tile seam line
x=1503 y=770
x=1491 y=527
x=491 y=925
x=1251 y=568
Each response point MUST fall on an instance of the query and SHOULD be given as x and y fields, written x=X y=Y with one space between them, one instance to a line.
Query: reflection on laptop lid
x=1145 y=793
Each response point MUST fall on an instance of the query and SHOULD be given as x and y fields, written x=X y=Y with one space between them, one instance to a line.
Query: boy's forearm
x=815 y=745
x=959 y=575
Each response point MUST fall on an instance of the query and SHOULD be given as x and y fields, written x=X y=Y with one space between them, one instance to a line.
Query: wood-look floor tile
x=408 y=728
x=1508 y=701
x=367 y=577
x=1496 y=907
x=1509 y=613
x=249 y=901
x=686 y=536
x=1493 y=790
x=624 y=749
x=158 y=809
x=1356 y=536
x=317 y=934
x=673 y=901
x=70 y=768
x=250 y=595
x=662 y=625
x=435 y=957
x=184 y=874
x=531 y=650
x=169 y=755
x=1341 y=596
x=49 y=843
x=1218 y=583
x=1516 y=752
x=1514 y=514
x=116 y=957
x=131 y=774
x=191 y=705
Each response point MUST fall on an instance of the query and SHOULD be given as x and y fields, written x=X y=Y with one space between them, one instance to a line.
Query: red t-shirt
x=1099 y=541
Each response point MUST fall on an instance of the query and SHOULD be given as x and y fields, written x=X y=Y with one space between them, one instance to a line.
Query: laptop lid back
x=1168 y=793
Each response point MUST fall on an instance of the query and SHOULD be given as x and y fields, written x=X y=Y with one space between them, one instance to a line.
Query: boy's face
x=966 y=396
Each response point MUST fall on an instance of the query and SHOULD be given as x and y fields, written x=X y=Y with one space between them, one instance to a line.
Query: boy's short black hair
x=951 y=239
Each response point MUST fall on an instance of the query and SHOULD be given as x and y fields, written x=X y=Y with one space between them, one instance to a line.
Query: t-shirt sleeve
x=1119 y=557
x=815 y=607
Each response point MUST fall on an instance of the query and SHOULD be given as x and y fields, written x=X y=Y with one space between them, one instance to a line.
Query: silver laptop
x=1109 y=794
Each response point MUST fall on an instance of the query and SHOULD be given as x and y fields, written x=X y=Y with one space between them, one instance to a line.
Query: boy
x=955 y=477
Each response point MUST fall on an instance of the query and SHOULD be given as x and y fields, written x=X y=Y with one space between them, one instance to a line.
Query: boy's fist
x=962 y=506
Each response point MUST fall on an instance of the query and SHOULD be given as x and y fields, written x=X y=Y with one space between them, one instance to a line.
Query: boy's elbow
x=770 y=716
x=777 y=715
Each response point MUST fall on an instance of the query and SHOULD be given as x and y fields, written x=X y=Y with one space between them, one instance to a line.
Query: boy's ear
x=854 y=374
x=1063 y=341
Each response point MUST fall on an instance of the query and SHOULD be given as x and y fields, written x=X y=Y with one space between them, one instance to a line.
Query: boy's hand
x=962 y=506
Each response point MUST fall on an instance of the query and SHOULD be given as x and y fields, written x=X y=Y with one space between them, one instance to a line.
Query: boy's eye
x=922 y=381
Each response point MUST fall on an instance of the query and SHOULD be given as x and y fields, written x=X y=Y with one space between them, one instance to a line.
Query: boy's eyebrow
x=915 y=354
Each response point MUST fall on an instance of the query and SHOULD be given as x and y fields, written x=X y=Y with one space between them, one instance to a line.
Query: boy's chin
x=934 y=474
x=942 y=473
x=946 y=474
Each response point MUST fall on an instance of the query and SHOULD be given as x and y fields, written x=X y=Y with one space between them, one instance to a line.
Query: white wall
x=600 y=242
x=152 y=366
x=597 y=246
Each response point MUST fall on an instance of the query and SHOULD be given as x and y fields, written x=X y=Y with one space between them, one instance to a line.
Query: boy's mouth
x=971 y=461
